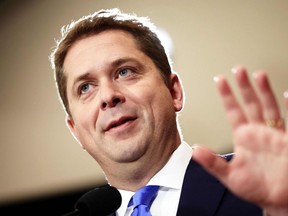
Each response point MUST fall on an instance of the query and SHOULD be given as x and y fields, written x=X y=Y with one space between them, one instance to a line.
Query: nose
x=111 y=96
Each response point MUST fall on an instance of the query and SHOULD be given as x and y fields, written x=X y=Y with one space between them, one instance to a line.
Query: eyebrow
x=82 y=77
x=121 y=61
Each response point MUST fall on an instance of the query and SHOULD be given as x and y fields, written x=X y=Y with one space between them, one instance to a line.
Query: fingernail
x=234 y=70
x=216 y=78
x=286 y=94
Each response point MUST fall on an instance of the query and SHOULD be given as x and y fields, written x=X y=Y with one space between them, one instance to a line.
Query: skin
x=117 y=115
x=259 y=170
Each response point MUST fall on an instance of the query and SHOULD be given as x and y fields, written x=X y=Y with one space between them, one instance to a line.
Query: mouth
x=119 y=122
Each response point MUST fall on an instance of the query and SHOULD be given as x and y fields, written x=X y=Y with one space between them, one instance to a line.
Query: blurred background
x=40 y=162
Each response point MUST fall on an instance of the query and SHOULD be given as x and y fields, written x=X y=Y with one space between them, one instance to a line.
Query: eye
x=124 y=72
x=84 y=88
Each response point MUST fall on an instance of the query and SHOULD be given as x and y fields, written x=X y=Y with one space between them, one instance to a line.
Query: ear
x=73 y=129
x=176 y=92
x=70 y=125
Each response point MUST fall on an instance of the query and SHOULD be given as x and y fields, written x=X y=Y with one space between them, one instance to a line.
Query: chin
x=129 y=155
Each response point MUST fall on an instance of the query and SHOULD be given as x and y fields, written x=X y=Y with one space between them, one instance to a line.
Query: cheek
x=85 y=114
x=161 y=104
x=85 y=124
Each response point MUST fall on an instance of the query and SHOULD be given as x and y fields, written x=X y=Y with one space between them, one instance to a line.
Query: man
x=121 y=98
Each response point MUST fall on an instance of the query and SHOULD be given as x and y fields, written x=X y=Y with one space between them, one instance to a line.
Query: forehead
x=101 y=47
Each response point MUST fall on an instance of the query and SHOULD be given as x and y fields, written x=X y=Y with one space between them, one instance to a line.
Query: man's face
x=120 y=106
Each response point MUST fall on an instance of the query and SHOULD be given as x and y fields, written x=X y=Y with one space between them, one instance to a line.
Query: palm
x=260 y=167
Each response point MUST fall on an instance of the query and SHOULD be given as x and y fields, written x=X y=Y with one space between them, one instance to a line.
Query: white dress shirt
x=170 y=179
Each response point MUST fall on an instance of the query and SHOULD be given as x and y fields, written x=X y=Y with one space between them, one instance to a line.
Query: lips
x=119 y=122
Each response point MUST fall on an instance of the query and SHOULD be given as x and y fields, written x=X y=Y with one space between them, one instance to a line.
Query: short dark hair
x=141 y=28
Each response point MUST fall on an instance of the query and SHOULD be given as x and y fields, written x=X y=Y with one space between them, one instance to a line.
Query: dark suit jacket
x=204 y=195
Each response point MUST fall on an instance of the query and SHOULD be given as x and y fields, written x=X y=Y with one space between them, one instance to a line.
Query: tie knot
x=144 y=196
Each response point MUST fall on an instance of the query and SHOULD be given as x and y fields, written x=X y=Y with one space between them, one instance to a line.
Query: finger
x=234 y=113
x=252 y=105
x=215 y=165
x=271 y=111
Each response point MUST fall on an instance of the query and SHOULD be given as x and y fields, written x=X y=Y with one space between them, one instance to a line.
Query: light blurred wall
x=39 y=156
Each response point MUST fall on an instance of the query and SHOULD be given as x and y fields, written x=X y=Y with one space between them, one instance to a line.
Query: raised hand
x=258 y=171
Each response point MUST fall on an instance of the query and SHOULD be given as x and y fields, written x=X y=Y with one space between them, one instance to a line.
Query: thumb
x=211 y=162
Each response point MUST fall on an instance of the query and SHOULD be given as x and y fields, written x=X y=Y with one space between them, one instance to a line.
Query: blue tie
x=143 y=199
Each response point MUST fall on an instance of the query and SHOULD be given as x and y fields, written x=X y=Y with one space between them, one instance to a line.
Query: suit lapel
x=201 y=193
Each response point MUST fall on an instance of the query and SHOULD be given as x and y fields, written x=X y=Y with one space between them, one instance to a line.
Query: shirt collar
x=172 y=174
